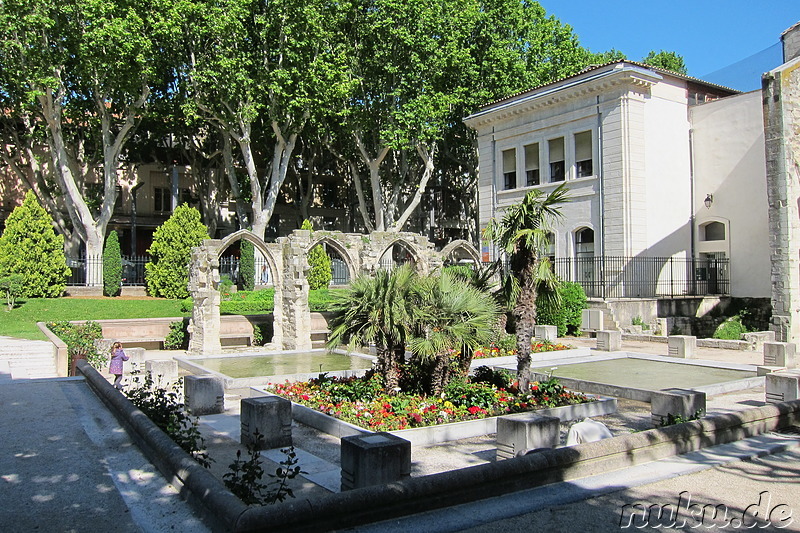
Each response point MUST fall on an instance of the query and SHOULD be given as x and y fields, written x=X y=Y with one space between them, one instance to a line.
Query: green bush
x=11 y=285
x=81 y=341
x=178 y=336
x=500 y=378
x=319 y=274
x=323 y=300
x=247 y=266
x=167 y=273
x=731 y=329
x=567 y=316
x=30 y=247
x=112 y=266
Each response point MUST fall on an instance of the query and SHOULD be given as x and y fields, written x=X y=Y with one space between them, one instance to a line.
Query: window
x=550 y=250
x=532 y=164
x=583 y=154
x=509 y=169
x=118 y=201
x=556 y=159
x=714 y=231
x=162 y=200
x=584 y=243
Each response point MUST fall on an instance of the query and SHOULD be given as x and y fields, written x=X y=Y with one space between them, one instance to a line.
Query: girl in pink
x=117 y=358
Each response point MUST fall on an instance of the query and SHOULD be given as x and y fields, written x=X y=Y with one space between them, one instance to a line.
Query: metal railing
x=643 y=277
x=85 y=268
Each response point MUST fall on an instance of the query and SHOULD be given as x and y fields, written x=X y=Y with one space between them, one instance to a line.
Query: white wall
x=729 y=162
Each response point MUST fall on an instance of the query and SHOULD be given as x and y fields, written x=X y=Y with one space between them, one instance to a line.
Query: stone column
x=203 y=287
x=271 y=416
x=609 y=341
x=522 y=432
x=546 y=333
x=681 y=346
x=296 y=319
x=781 y=97
x=205 y=395
x=676 y=402
x=780 y=354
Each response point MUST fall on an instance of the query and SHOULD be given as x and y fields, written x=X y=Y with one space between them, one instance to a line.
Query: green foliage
x=247 y=265
x=178 y=336
x=112 y=266
x=671 y=419
x=12 y=286
x=564 y=312
x=324 y=300
x=164 y=408
x=500 y=378
x=31 y=248
x=167 y=273
x=637 y=321
x=666 y=60
x=319 y=273
x=731 y=329
x=81 y=341
x=244 y=477
x=464 y=394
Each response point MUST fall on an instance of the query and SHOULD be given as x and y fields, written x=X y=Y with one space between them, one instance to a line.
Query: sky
x=729 y=42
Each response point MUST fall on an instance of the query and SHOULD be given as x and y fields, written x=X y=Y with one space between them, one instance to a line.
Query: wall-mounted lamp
x=708 y=201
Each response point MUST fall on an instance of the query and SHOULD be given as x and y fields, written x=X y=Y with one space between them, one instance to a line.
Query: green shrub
x=731 y=329
x=319 y=274
x=112 y=266
x=323 y=300
x=178 y=336
x=11 y=285
x=167 y=273
x=30 y=247
x=567 y=315
x=167 y=412
x=187 y=305
x=500 y=378
x=244 y=478
x=247 y=266
x=81 y=341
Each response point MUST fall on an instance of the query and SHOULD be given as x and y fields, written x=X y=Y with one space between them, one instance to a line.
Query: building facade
x=665 y=174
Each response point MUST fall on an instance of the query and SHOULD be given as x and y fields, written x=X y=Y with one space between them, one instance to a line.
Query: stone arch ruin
x=287 y=258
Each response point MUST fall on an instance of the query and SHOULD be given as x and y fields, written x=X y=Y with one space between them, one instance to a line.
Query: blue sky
x=730 y=42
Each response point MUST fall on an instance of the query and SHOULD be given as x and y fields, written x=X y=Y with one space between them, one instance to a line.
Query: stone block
x=682 y=346
x=763 y=370
x=676 y=402
x=374 y=459
x=783 y=386
x=522 y=432
x=779 y=354
x=545 y=333
x=205 y=395
x=591 y=320
x=135 y=362
x=271 y=416
x=164 y=371
x=609 y=341
x=758 y=338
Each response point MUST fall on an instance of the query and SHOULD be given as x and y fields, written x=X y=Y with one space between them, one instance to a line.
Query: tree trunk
x=525 y=316
x=427 y=157
x=440 y=375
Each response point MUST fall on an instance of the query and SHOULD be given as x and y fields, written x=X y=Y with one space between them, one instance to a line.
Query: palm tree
x=378 y=310
x=453 y=319
x=522 y=235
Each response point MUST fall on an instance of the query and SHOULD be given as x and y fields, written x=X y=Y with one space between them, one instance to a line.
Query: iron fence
x=645 y=277
x=83 y=269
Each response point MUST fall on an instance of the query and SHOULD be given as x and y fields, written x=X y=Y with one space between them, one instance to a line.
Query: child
x=117 y=358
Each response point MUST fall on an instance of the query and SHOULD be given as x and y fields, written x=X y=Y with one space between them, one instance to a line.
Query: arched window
x=584 y=243
x=713 y=231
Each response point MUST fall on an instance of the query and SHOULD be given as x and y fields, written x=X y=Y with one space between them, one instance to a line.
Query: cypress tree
x=247 y=266
x=112 y=266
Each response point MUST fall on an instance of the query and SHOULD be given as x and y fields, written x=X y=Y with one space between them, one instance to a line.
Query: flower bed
x=486 y=352
x=362 y=401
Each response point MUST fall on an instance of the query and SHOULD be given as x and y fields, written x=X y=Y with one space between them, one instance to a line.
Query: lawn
x=21 y=322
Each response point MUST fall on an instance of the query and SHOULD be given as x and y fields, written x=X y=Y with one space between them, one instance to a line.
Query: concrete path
x=66 y=465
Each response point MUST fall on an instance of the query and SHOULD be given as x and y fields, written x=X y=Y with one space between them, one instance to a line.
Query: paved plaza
x=67 y=465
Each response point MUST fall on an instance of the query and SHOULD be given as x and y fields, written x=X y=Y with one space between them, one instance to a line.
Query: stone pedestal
x=783 y=386
x=164 y=371
x=682 y=346
x=763 y=370
x=135 y=362
x=271 y=417
x=522 y=432
x=545 y=333
x=203 y=283
x=779 y=354
x=591 y=320
x=676 y=402
x=205 y=395
x=374 y=459
x=758 y=338
x=609 y=341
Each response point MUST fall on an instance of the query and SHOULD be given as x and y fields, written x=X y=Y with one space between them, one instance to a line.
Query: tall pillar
x=203 y=288
x=296 y=319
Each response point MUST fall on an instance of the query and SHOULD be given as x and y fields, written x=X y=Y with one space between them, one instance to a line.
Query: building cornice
x=596 y=82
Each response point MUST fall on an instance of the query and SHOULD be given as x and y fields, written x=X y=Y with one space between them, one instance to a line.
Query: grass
x=21 y=321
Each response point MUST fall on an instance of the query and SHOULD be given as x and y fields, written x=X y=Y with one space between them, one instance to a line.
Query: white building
x=643 y=151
